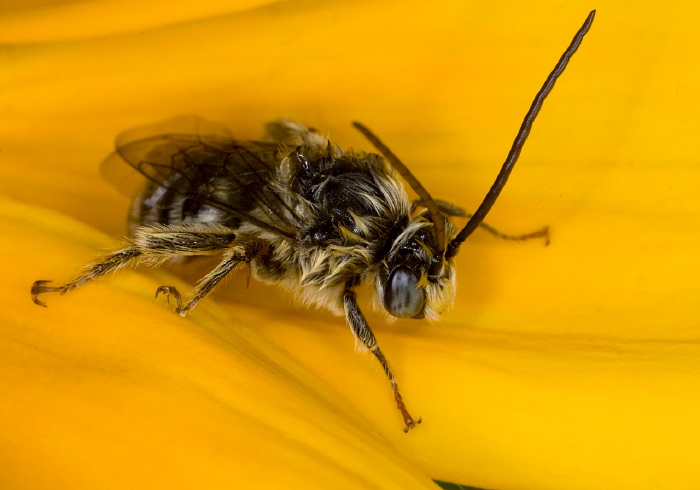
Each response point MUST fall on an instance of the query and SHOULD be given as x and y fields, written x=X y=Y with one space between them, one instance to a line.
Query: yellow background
x=563 y=367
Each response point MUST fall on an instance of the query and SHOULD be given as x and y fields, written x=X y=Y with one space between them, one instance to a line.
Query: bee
x=298 y=211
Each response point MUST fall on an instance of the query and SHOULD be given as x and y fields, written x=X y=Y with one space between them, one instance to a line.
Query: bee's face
x=403 y=285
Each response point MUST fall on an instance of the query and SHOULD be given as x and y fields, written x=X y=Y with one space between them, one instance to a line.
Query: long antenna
x=520 y=139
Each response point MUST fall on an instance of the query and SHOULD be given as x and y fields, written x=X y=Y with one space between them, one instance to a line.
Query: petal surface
x=555 y=360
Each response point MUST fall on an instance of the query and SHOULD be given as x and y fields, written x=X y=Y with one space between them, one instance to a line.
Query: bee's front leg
x=363 y=333
x=449 y=209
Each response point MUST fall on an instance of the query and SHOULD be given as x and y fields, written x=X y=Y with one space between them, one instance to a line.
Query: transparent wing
x=188 y=155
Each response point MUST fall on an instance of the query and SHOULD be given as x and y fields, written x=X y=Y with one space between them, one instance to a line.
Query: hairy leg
x=363 y=333
x=150 y=243
x=241 y=253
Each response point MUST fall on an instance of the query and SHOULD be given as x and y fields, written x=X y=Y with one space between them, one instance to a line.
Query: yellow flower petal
x=105 y=389
x=32 y=22
x=571 y=366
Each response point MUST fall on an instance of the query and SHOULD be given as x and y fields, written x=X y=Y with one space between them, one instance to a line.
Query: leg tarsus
x=407 y=418
x=541 y=233
x=39 y=288
x=169 y=291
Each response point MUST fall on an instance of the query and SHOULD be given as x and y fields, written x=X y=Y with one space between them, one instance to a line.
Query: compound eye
x=402 y=296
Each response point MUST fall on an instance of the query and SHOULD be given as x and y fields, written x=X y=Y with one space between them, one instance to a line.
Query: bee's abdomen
x=182 y=201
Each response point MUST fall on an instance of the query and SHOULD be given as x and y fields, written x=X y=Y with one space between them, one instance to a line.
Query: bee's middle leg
x=242 y=252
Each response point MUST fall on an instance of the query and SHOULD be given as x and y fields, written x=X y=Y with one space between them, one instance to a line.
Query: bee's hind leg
x=112 y=262
x=158 y=243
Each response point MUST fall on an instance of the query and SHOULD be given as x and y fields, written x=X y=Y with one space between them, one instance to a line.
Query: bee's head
x=414 y=280
x=417 y=279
